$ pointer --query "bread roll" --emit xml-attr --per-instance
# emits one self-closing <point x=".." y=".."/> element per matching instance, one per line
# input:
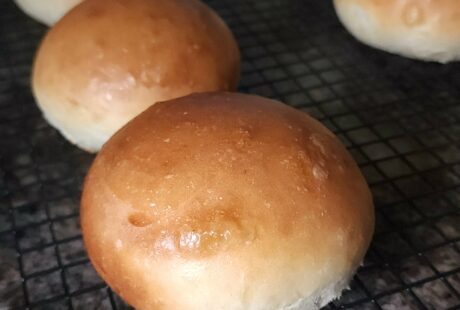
<point x="225" y="201"/>
<point x="108" y="60"/>
<point x="426" y="30"/>
<point x="47" y="12"/>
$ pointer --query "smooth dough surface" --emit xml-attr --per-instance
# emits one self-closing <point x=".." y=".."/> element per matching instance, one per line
<point x="226" y="201"/>
<point x="108" y="60"/>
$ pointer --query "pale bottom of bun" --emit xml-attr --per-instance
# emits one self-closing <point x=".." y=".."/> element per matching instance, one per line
<point x="223" y="290"/>
<point x="85" y="137"/>
<point x="47" y="12"/>
<point x="321" y="297"/>
<point x="90" y="145"/>
<point x="412" y="42"/>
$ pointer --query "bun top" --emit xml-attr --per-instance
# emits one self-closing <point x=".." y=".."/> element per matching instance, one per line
<point x="428" y="29"/>
<point x="225" y="199"/>
<point x="108" y="60"/>
<point x="440" y="16"/>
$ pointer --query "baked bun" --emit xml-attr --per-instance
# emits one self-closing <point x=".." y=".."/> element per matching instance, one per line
<point x="427" y="30"/>
<point x="225" y="201"/>
<point x="47" y="12"/>
<point x="108" y="60"/>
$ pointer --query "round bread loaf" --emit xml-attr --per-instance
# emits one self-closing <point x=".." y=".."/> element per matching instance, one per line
<point x="426" y="30"/>
<point x="225" y="201"/>
<point x="47" y="12"/>
<point x="108" y="60"/>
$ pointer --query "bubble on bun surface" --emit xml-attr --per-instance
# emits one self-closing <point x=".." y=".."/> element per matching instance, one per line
<point x="108" y="60"/>
<point x="426" y="30"/>
<point x="47" y="12"/>
<point x="226" y="201"/>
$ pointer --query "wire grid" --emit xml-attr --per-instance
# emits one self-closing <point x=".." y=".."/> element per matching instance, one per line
<point x="399" y="118"/>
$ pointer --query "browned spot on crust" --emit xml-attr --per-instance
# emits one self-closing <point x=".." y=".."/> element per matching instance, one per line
<point x="140" y="219"/>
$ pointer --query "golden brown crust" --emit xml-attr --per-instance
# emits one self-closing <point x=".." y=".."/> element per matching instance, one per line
<point x="229" y="180"/>
<point x="108" y="60"/>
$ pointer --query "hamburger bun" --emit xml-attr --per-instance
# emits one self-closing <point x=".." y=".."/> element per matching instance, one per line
<point x="427" y="30"/>
<point x="108" y="60"/>
<point x="225" y="201"/>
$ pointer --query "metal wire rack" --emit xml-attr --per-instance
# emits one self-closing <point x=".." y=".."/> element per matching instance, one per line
<point x="399" y="118"/>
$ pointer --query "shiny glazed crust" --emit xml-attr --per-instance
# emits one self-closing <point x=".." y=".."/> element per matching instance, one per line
<point x="108" y="60"/>
<point x="422" y="29"/>
<point x="225" y="201"/>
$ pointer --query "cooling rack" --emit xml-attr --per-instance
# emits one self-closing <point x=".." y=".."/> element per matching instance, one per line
<point x="399" y="118"/>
